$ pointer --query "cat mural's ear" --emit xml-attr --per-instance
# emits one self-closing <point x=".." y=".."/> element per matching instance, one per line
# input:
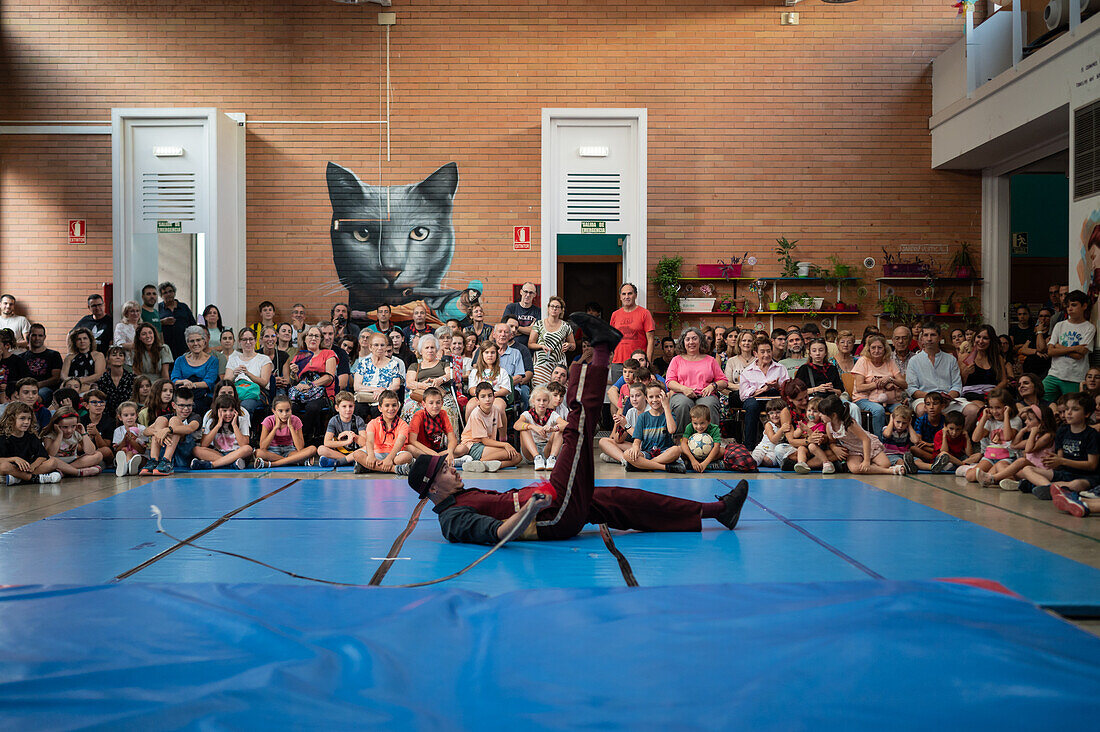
<point x="344" y="188"/>
<point x="440" y="185"/>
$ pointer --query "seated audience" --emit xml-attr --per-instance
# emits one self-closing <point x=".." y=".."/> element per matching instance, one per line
<point x="932" y="370"/>
<point x="251" y="373"/>
<point x="44" y="364"/>
<point x="878" y="386"/>
<point x="281" y="439"/>
<point x="175" y="318"/>
<point x="759" y="381"/>
<point x="18" y="324"/>
<point x="373" y="373"/>
<point x="117" y="382"/>
<point x="313" y="378"/>
<point x="197" y="370"/>
<point x="151" y="357"/>
<point x="98" y="323"/>
<point x="83" y="362"/>
<point x="694" y="378"/>
<point x="267" y="318"/>
<point x="125" y="329"/>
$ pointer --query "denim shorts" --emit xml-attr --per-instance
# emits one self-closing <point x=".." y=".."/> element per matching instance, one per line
<point x="281" y="450"/>
<point x="476" y="450"/>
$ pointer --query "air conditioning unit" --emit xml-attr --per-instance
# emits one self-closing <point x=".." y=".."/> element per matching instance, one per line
<point x="1056" y="13"/>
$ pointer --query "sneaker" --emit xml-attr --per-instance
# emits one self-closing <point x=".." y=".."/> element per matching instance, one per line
<point x="801" y="468"/>
<point x="828" y="468"/>
<point x="1042" y="492"/>
<point x="1025" y="486"/>
<point x="676" y="466"/>
<point x="630" y="468"/>
<point x="261" y="464"/>
<point x="327" y="462"/>
<point x="1091" y="494"/>
<point x="163" y="467"/>
<point x="134" y="464"/>
<point x="197" y="464"/>
<point x="89" y="472"/>
<point x="941" y="464"/>
<point x="898" y="469"/>
<point x="462" y="460"/>
<point x="492" y="465"/>
<point x="734" y="500"/>
<point x="540" y="462"/>
<point x="983" y="478"/>
<point x="607" y="458"/>
<point x="551" y="462"/>
<point x="1068" y="501"/>
<point x="474" y="466"/>
<point x="237" y="464"/>
<point x="54" y="477"/>
<point x="121" y="464"/>
<point x="1009" y="485"/>
<point x="910" y="463"/>
<point x="402" y="469"/>
<point x="11" y="480"/>
<point x="962" y="470"/>
<point x="357" y="468"/>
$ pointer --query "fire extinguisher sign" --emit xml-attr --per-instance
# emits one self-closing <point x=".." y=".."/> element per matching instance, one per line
<point x="78" y="231"/>
<point x="521" y="238"/>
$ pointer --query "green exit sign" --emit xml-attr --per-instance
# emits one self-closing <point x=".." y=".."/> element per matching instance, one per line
<point x="169" y="227"/>
<point x="593" y="227"/>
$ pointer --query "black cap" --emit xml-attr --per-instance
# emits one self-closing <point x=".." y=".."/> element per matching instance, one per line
<point x="423" y="471"/>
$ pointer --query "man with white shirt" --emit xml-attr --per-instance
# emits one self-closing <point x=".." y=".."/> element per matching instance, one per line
<point x="932" y="370"/>
<point x="17" y="323"/>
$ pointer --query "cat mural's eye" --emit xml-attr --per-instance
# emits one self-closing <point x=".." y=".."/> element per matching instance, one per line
<point x="361" y="234"/>
<point x="420" y="233"/>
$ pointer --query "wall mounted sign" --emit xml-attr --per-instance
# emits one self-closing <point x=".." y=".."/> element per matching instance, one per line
<point x="593" y="227"/>
<point x="521" y="238"/>
<point x="78" y="231"/>
<point x="169" y="227"/>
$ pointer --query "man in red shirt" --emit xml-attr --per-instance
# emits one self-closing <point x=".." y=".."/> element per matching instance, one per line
<point x="636" y="325"/>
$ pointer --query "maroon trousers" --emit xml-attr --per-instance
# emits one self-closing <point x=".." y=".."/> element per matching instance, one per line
<point x="579" y="500"/>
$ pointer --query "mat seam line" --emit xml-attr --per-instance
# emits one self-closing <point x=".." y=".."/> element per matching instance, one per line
<point x="624" y="564"/>
<point x="387" y="563"/>
<point x="148" y="562"/>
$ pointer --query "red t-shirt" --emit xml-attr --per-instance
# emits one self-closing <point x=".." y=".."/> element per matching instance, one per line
<point x="634" y="327"/>
<point x="431" y="433"/>
<point x="957" y="446"/>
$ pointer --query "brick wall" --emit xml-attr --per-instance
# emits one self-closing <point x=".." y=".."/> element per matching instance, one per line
<point x="818" y="132"/>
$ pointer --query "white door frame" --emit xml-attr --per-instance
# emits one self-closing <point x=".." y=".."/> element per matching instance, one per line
<point x="635" y="257"/>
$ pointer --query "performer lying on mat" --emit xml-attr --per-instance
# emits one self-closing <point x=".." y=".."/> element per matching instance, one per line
<point x="571" y="499"/>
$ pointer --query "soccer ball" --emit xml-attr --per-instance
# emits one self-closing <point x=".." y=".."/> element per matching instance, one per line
<point x="700" y="445"/>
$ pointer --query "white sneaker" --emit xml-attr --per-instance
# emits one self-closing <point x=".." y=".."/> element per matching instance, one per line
<point x="961" y="471"/>
<point x="607" y="458"/>
<point x="1090" y="494"/>
<point x="1009" y="485"/>
<point x="462" y="460"/>
<point x="540" y="462"/>
<point x="801" y="468"/>
<point x="551" y="462"/>
<point x="898" y="469"/>
<point x="492" y="465"/>
<point x="827" y="468"/>
<point x="121" y="464"/>
<point x="54" y="477"/>
<point x="473" y="466"/>
<point x="983" y="478"/>
<point x="133" y="465"/>
<point x="238" y="464"/>
<point x="11" y="480"/>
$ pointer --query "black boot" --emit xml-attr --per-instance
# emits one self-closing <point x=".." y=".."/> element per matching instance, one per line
<point x="734" y="500"/>
<point x="596" y="330"/>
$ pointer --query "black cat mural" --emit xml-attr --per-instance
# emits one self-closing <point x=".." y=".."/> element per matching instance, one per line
<point x="393" y="244"/>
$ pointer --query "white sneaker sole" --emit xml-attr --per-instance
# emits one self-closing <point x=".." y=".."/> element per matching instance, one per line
<point x="801" y="468"/>
<point x="473" y="466"/>
<point x="121" y="464"/>
<point x="492" y="465"/>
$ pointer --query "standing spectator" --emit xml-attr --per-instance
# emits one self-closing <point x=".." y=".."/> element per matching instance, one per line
<point x="198" y="368"/>
<point x="549" y="339"/>
<point x="125" y="329"/>
<point x="212" y="321"/>
<point x="760" y="380"/>
<point x="878" y="385"/>
<point x="18" y="324"/>
<point x="43" y="364"/>
<point x="384" y="325"/>
<point x="151" y="357"/>
<point x="12" y="367"/>
<point x="267" y="318"/>
<point x="932" y="370"/>
<point x="98" y="323"/>
<point x="149" y="312"/>
<point x="1071" y="341"/>
<point x="779" y="344"/>
<point x="117" y="383"/>
<point x="418" y="327"/>
<point x="251" y="374"/>
<point x="520" y="344"/>
<point x="1036" y="360"/>
<point x="901" y="339"/>
<point x="525" y="311"/>
<point x="1022" y="331"/>
<point x="668" y="352"/>
<point x="340" y="321"/>
<point x="694" y="378"/>
<point x="298" y="322"/>
<point x="637" y="326"/>
<point x="83" y="362"/>
<point x="1057" y="305"/>
<point x="401" y="349"/>
<point x="175" y="319"/>
<point x="511" y="361"/>
<point x="478" y="327"/>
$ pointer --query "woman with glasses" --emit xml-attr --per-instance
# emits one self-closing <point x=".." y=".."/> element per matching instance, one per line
<point x="313" y="379"/>
<point x="197" y="369"/>
<point x="250" y="372"/>
<point x="271" y="346"/>
<point x="550" y="338"/>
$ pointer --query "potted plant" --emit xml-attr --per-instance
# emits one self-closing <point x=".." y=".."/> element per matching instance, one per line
<point x="949" y="305"/>
<point x="666" y="278"/>
<point x="972" y="311"/>
<point x="897" y="308"/>
<point x="785" y="250"/>
<point x="962" y="263"/>
<point x="929" y="302"/>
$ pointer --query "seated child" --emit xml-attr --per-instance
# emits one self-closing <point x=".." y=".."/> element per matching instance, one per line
<point x="952" y="445"/>
<point x="99" y="425"/>
<point x="1035" y="441"/>
<point x="485" y="435"/>
<point x="622" y="431"/>
<point x="224" y="439"/>
<point x="23" y="457"/>
<point x="733" y="456"/>
<point x="926" y="427"/>
<point x="653" y="448"/>
<point x="345" y="433"/>
<point x="557" y="398"/>
<point x="281" y="439"/>
<point x="539" y="429"/>
<point x="898" y="438"/>
<point x="160" y="403"/>
<point x="619" y="394"/>
<point x="863" y="452"/>
<point x="66" y="441"/>
<point x="1073" y="466"/>
<point x="775" y="433"/>
<point x="386" y="435"/>
<point x="128" y="441"/>
<point x="173" y="437"/>
<point x="431" y="432"/>
<point x="26" y="391"/>
<point x="66" y="398"/>
<point x="813" y="424"/>
<point x="994" y="432"/>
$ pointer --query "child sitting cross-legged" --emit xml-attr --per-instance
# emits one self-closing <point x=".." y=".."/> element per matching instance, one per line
<point x="128" y="441"/>
<point x="345" y="433"/>
<point x="23" y="457"/>
<point x="953" y="448"/>
<point x="622" y="431"/>
<point x="814" y="423"/>
<point x="431" y="432"/>
<point x="66" y="441"/>
<point x="384" y="450"/>
<point x="899" y="437"/>
<point x="1035" y="440"/>
<point x="173" y="437"/>
<point x="225" y="437"/>
<point x="485" y="434"/>
<point x="98" y="425"/>
<point x="775" y="433"/>
<point x="1073" y="466"/>
<point x="926" y="426"/>
<point x="863" y="452"/>
<point x="539" y="428"/>
<point x="653" y="448"/>
<point x="994" y="432"/>
<point x="733" y="456"/>
<point x="557" y="398"/>
<point x="281" y="439"/>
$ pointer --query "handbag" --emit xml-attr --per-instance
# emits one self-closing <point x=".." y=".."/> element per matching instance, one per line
<point x="248" y="389"/>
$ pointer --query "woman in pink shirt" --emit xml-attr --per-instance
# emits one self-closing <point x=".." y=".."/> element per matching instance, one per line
<point x="693" y="378"/>
<point x="879" y="386"/>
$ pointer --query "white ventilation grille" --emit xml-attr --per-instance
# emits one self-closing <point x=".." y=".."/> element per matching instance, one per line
<point x="591" y="196"/>
<point x="168" y="196"/>
<point x="1086" y="151"/>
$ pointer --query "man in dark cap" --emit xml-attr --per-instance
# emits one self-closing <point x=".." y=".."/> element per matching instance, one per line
<point x="570" y="499"/>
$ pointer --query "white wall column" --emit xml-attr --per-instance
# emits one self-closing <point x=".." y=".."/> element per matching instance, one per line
<point x="996" y="259"/>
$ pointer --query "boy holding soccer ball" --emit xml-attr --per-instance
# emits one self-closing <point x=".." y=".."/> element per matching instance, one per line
<point x="695" y="445"/>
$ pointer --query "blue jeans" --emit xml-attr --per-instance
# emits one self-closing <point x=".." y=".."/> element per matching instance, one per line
<point x="878" y="414"/>
<point x="754" y="407"/>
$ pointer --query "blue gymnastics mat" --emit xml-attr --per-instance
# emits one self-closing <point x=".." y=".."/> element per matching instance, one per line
<point x="866" y="655"/>
<point x="792" y="530"/>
